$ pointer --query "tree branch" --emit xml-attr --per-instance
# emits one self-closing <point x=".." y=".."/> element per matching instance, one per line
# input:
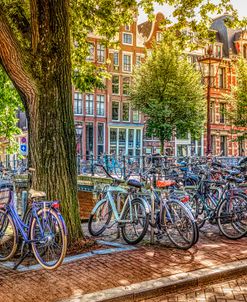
<point x="15" y="60"/>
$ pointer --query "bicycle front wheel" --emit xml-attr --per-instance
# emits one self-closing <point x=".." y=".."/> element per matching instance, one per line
<point x="8" y="236"/>
<point x="100" y="218"/>
<point x="232" y="217"/>
<point x="135" y="221"/>
<point x="49" y="238"/>
<point x="179" y="225"/>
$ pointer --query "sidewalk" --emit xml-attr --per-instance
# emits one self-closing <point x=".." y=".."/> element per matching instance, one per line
<point x="74" y="280"/>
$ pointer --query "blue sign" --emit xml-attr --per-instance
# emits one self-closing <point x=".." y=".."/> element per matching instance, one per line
<point x="23" y="148"/>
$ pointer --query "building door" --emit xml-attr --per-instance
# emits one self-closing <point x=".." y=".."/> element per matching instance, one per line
<point x="89" y="140"/>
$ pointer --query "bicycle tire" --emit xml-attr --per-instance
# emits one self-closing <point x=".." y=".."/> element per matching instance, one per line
<point x="57" y="223"/>
<point x="224" y="218"/>
<point x="198" y="210"/>
<point x="125" y="234"/>
<point x="6" y="222"/>
<point x="178" y="238"/>
<point x="92" y="215"/>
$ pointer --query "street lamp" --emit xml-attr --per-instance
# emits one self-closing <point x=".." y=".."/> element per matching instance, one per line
<point x="210" y="74"/>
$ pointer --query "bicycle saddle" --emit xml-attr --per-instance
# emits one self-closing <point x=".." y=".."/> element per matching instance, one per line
<point x="36" y="194"/>
<point x="134" y="183"/>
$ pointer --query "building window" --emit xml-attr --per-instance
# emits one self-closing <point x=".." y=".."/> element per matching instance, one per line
<point x="77" y="103"/>
<point x="159" y="36"/>
<point x="113" y="140"/>
<point x="221" y="73"/>
<point x="223" y="145"/>
<point x="122" y="141"/>
<point x="127" y="63"/>
<point x="115" y="59"/>
<point x="100" y="142"/>
<point x="100" y="105"/>
<point x="89" y="104"/>
<point x="213" y="144"/>
<point x="222" y="113"/>
<point x="101" y="53"/>
<point x="218" y="51"/>
<point x="115" y="111"/>
<point x="127" y="38"/>
<point x="89" y="140"/>
<point x="90" y="56"/>
<point x="212" y="112"/>
<point x="126" y="85"/>
<point x="126" y="112"/>
<point x="115" y="84"/>
<point x="241" y="147"/>
<point x="135" y="116"/>
<point x="138" y="60"/>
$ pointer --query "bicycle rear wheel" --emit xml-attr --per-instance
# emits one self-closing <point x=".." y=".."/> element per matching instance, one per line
<point x="179" y="225"/>
<point x="8" y="236"/>
<point x="99" y="218"/>
<point x="232" y="217"/>
<point x="136" y="221"/>
<point x="49" y="237"/>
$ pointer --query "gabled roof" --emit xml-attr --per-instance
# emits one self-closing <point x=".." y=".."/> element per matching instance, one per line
<point x="145" y="29"/>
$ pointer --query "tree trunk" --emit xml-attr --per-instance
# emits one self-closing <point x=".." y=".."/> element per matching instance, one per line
<point x="43" y="79"/>
<point x="162" y="146"/>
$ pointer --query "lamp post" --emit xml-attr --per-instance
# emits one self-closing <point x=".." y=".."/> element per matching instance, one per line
<point x="78" y="129"/>
<point x="209" y="60"/>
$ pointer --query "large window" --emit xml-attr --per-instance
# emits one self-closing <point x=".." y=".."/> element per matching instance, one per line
<point x="77" y="103"/>
<point x="126" y="112"/>
<point x="127" y="63"/>
<point x="115" y="111"/>
<point x="90" y="56"/>
<point x="100" y="105"/>
<point x="100" y="142"/>
<point x="221" y="74"/>
<point x="213" y="144"/>
<point x="115" y="59"/>
<point x="113" y="140"/>
<point x="115" y="84"/>
<point x="89" y="140"/>
<point x="126" y="85"/>
<point x="222" y="113"/>
<point x="122" y="141"/>
<point x="89" y="104"/>
<point x="138" y="60"/>
<point x="223" y="145"/>
<point x="127" y="38"/>
<point x="101" y="53"/>
<point x="136" y="117"/>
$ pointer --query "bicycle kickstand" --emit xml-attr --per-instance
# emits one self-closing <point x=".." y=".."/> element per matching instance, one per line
<point x="22" y="258"/>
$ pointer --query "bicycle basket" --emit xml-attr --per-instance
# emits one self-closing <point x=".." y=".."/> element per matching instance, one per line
<point x="5" y="190"/>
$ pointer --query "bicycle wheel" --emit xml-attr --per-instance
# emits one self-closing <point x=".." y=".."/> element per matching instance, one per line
<point x="136" y="221"/>
<point x="49" y="238"/>
<point x="99" y="218"/>
<point x="198" y="210"/>
<point x="179" y="224"/>
<point x="232" y="217"/>
<point x="8" y="236"/>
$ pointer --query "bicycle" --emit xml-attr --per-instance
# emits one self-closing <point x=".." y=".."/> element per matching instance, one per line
<point x="132" y="219"/>
<point x="44" y="233"/>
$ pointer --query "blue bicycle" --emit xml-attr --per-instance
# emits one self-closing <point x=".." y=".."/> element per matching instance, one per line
<point x="44" y="232"/>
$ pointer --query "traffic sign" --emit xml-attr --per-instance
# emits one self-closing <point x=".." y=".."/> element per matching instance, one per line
<point x="23" y="140"/>
<point x="23" y="148"/>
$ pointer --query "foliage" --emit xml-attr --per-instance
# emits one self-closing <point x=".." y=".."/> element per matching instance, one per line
<point x="168" y="90"/>
<point x="9" y="103"/>
<point x="238" y="100"/>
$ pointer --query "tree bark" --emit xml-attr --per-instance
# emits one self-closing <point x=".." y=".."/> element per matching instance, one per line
<point x="42" y="76"/>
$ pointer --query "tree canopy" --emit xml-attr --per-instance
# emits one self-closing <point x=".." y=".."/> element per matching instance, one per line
<point x="168" y="90"/>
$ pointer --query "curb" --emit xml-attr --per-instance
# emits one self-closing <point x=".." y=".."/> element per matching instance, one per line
<point x="160" y="286"/>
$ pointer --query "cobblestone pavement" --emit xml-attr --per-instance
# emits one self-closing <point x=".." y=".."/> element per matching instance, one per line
<point x="230" y="291"/>
<point x="113" y="270"/>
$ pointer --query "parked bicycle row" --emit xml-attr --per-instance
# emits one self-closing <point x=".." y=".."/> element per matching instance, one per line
<point x="176" y="201"/>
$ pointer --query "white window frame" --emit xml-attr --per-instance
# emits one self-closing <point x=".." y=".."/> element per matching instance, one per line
<point x="100" y="95"/>
<point x="115" y="101"/>
<point x="88" y="114"/>
<point x="104" y="137"/>
<point x="119" y="86"/>
<point x="77" y="92"/>
<point x="127" y="33"/>
<point x="128" y="77"/>
<point x="131" y="61"/>
<point x="99" y="45"/>
<point x="127" y="121"/>
<point x="134" y="121"/>
<point x="89" y="58"/>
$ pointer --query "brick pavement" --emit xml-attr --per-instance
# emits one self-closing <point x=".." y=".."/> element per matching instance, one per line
<point x="125" y="268"/>
<point x="230" y="291"/>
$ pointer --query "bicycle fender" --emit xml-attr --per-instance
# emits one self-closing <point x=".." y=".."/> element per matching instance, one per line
<point x="100" y="202"/>
<point x="146" y="205"/>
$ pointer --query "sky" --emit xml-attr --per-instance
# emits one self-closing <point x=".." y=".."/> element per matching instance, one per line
<point x="240" y="5"/>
